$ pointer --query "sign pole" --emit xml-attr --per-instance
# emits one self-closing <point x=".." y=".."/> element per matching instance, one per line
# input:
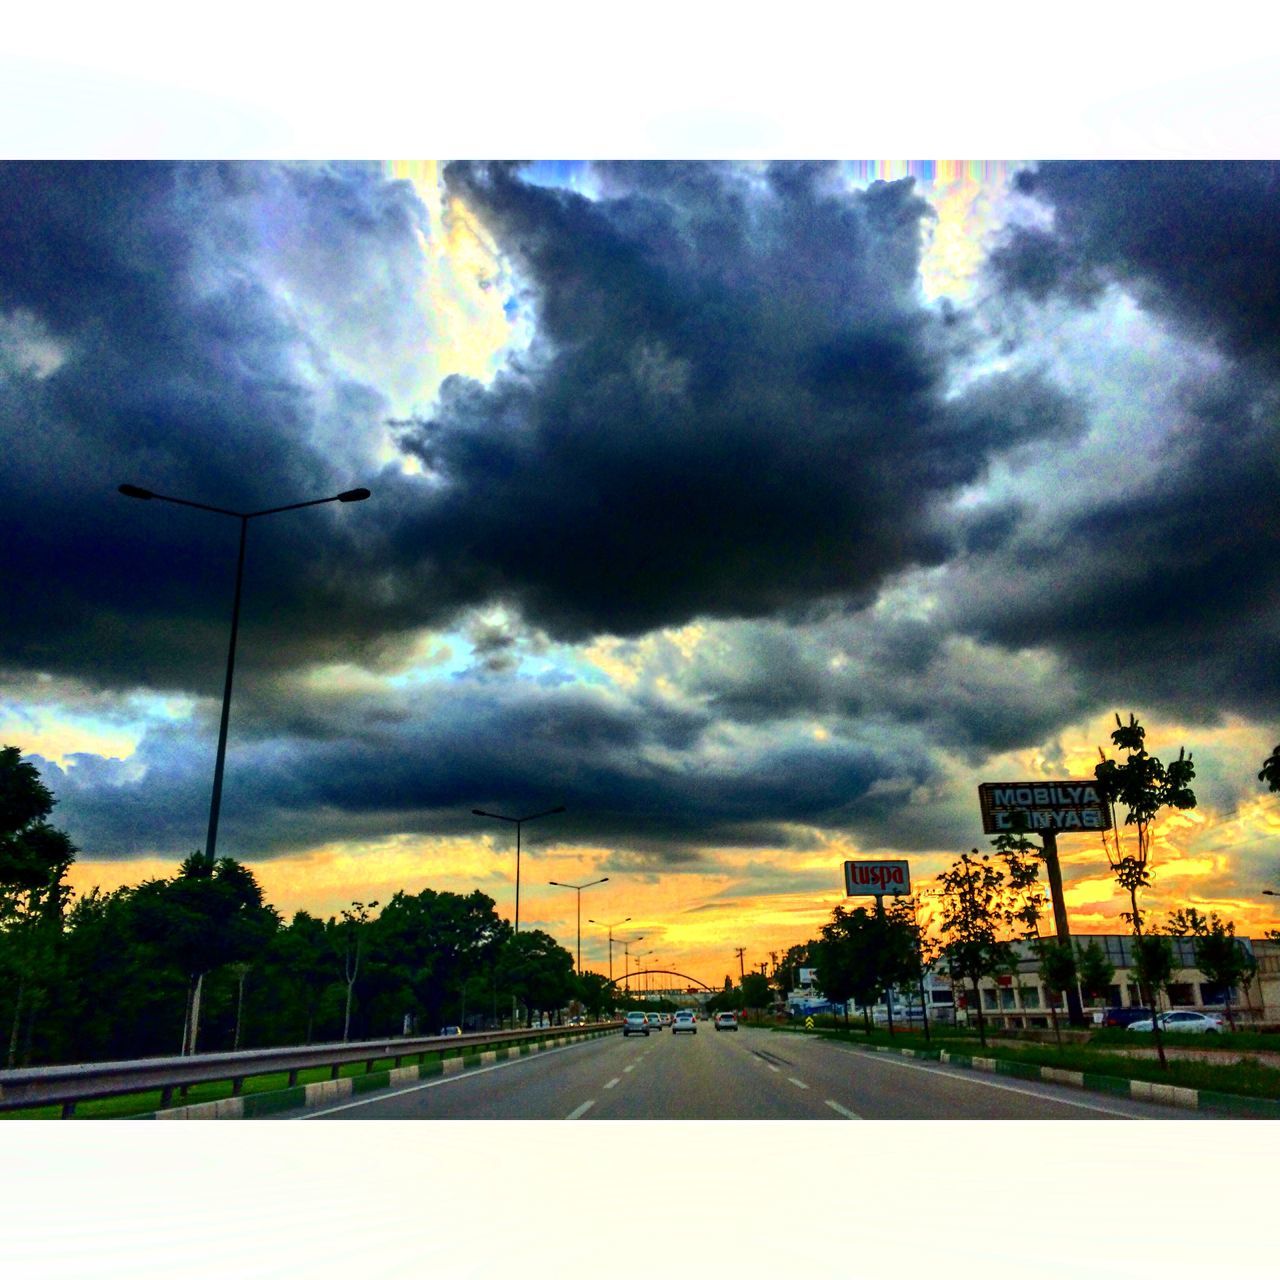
<point x="1075" y="1011"/>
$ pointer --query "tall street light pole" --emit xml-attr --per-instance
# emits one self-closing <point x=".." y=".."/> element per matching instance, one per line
<point x="502" y="817"/>
<point x="579" y="888"/>
<point x="611" y="927"/>
<point x="626" y="960"/>
<point x="146" y="495"/>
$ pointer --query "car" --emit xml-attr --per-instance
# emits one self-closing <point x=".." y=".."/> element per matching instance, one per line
<point x="1123" y="1017"/>
<point x="654" y="1020"/>
<point x="726" y="1022"/>
<point x="1180" y="1021"/>
<point x="684" y="1021"/>
<point x="666" y="1019"/>
<point x="450" y="1031"/>
<point x="636" y="1024"/>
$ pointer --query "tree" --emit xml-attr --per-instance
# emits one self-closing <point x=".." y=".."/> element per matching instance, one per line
<point x="1144" y="786"/>
<point x="921" y="953"/>
<point x="972" y="912"/>
<point x="1220" y="955"/>
<point x="1096" y="972"/>
<point x="1024" y="903"/>
<point x="302" y="956"/>
<point x="210" y="914"/>
<point x="538" y="970"/>
<point x="854" y="959"/>
<point x="756" y="991"/>
<point x="1057" y="971"/>
<point x="34" y="858"/>
<point x="786" y="976"/>
<point x="348" y="942"/>
<point x="1271" y="770"/>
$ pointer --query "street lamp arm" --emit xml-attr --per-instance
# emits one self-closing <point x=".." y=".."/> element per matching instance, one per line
<point x="546" y="813"/>
<point x="134" y="491"/>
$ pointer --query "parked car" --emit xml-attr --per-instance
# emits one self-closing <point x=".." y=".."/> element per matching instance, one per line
<point x="726" y="1022"/>
<point x="684" y="1021"/>
<point x="1180" y="1021"/>
<point x="636" y="1024"/>
<point x="1123" y="1017"/>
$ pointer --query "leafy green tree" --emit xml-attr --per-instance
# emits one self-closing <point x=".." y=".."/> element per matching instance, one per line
<point x="210" y="914"/>
<point x="973" y="906"/>
<point x="300" y="960"/>
<point x="431" y="946"/>
<point x="1057" y="970"/>
<point x="596" y="994"/>
<point x="757" y="994"/>
<point x="537" y="970"/>
<point x="348" y="939"/>
<point x="920" y="954"/>
<point x="1144" y="786"/>
<point x="1096" y="972"/>
<point x="786" y="977"/>
<point x="1220" y="955"/>
<point x="852" y="960"/>
<point x="34" y="858"/>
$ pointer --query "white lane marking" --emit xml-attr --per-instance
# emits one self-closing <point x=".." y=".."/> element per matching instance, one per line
<point x="773" y="1068"/>
<point x="578" y="1112"/>
<point x="799" y="1084"/>
<point x="844" y="1111"/>
<point x="615" y="1080"/>
<point x="992" y="1084"/>
<point x="632" y="1067"/>
<point x="378" y="1096"/>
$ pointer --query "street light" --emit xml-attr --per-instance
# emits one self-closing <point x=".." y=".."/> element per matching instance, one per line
<point x="146" y="495"/>
<point x="626" y="954"/>
<point x="611" y="927"/>
<point x="502" y="817"/>
<point x="579" y="888"/>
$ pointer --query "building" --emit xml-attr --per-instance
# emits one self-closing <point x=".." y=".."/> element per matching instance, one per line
<point x="1019" y="1000"/>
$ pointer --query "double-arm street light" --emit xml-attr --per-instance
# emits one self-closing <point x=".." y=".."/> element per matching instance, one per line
<point x="626" y="960"/>
<point x="603" y="924"/>
<point x="502" y="817"/>
<point x="579" y="888"/>
<point x="146" y="495"/>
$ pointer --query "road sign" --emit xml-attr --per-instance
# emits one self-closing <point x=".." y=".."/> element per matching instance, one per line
<point x="808" y="1024"/>
<point x="1045" y="806"/>
<point x="876" y="878"/>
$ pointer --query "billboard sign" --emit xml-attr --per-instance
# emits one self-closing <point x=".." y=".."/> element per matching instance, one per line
<point x="876" y="878"/>
<point x="1045" y="806"/>
<point x="806" y="977"/>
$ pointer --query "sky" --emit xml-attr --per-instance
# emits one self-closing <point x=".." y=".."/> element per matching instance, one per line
<point x="755" y="512"/>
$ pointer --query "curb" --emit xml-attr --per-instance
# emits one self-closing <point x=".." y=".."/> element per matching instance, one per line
<point x="447" y="1062"/>
<point x="1169" y="1095"/>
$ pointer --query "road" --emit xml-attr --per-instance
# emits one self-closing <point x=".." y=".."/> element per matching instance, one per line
<point x="748" y="1074"/>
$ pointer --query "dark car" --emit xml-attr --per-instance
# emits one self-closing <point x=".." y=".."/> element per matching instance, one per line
<point x="1122" y="1017"/>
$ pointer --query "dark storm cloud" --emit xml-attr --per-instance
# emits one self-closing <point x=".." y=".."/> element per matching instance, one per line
<point x="1165" y="591"/>
<point x="1198" y="241"/>
<point x="179" y="365"/>
<point x="734" y="405"/>
<point x="639" y="775"/>
<point x="1162" y="589"/>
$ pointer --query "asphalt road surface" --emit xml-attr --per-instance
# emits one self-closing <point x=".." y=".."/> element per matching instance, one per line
<point x="748" y="1074"/>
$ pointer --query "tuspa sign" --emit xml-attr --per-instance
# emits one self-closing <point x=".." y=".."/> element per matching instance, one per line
<point x="1043" y="806"/>
<point x="878" y="878"/>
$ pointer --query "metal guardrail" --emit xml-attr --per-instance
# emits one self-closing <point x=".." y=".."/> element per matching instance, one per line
<point x="65" y="1086"/>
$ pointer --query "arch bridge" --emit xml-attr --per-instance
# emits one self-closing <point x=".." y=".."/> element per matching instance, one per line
<point x="673" y="973"/>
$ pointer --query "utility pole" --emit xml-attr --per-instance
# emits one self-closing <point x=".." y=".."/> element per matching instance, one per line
<point x="739" y="952"/>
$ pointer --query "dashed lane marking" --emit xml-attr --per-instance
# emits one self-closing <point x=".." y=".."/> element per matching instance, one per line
<point x="632" y="1067"/>
<point x="578" y="1112"/>
<point x="773" y="1068"/>
<point x="615" y="1080"/>
<point x="799" y="1084"/>
<point x="844" y="1111"/>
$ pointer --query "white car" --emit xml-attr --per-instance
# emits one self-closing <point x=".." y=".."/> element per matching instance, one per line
<point x="726" y="1022"/>
<point x="636" y="1024"/>
<point x="1180" y="1021"/>
<point x="684" y="1022"/>
<point x="654" y="1020"/>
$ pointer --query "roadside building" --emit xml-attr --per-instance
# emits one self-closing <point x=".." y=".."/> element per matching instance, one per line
<point x="1019" y="999"/>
